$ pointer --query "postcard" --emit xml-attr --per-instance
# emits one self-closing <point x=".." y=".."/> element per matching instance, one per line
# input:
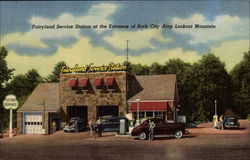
<point x="126" y="79"/>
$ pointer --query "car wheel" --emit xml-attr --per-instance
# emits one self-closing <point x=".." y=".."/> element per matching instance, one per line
<point x="178" y="134"/>
<point x="142" y="136"/>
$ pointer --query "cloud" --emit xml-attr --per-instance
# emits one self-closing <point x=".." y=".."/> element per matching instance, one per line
<point x="226" y="27"/>
<point x="231" y="52"/>
<point x="36" y="38"/>
<point x="83" y="52"/>
<point x="139" y="39"/>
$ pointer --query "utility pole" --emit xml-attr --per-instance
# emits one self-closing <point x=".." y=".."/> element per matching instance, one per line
<point x="127" y="51"/>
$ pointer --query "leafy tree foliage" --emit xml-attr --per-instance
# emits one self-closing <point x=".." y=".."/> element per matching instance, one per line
<point x="183" y="73"/>
<point x="5" y="72"/>
<point x="211" y="82"/>
<point x="139" y="69"/>
<point x="5" y="75"/>
<point x="55" y="75"/>
<point x="21" y="86"/>
<point x="155" y="68"/>
<point x="241" y="86"/>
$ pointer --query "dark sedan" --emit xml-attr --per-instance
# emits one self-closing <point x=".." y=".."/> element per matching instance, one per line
<point x="231" y="122"/>
<point x="161" y="128"/>
<point x="112" y="124"/>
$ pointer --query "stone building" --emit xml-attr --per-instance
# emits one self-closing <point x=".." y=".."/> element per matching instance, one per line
<point x="98" y="94"/>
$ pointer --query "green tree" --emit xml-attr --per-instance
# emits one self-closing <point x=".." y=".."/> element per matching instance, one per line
<point x="5" y="75"/>
<point x="55" y="75"/>
<point x="183" y="73"/>
<point x="155" y="68"/>
<point x="241" y="86"/>
<point x="139" y="69"/>
<point x="22" y="85"/>
<point x="211" y="82"/>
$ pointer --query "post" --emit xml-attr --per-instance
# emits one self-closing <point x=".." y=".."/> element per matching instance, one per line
<point x="44" y="114"/>
<point x="138" y="110"/>
<point x="215" y="118"/>
<point x="215" y="107"/>
<point x="10" y="127"/>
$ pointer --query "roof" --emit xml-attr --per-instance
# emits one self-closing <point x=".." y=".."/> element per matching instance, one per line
<point x="155" y="87"/>
<point x="44" y="92"/>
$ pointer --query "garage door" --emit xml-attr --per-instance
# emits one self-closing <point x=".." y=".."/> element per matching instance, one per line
<point x="33" y="123"/>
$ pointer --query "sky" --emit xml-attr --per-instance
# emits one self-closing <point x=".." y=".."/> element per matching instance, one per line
<point x="32" y="47"/>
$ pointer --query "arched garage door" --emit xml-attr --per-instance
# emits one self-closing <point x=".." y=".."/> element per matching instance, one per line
<point x="33" y="123"/>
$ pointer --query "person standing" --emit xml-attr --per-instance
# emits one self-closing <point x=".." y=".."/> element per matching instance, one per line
<point x="91" y="131"/>
<point x="151" y="130"/>
<point x="221" y="122"/>
<point x="53" y="127"/>
<point x="99" y="127"/>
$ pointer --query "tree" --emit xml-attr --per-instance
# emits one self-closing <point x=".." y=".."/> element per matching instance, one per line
<point x="211" y="82"/>
<point x="183" y="73"/>
<point x="155" y="68"/>
<point x="5" y="75"/>
<point x="139" y="69"/>
<point x="241" y="86"/>
<point x="22" y="85"/>
<point x="55" y="75"/>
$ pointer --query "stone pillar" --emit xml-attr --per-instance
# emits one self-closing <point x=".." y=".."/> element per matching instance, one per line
<point x="19" y="123"/>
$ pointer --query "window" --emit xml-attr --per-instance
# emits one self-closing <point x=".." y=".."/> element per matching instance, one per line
<point x="149" y="114"/>
<point x="110" y="82"/>
<point x="73" y="83"/>
<point x="98" y="83"/>
<point x="111" y="87"/>
<point x="158" y="113"/>
<point x="84" y="83"/>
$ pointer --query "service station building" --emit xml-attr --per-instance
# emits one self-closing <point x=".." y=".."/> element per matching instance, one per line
<point x="97" y="94"/>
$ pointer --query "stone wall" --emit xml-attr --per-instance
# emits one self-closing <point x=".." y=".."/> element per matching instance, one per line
<point x="19" y="122"/>
<point x="93" y="98"/>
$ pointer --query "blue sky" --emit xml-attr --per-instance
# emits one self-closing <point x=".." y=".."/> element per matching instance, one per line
<point x="42" y="49"/>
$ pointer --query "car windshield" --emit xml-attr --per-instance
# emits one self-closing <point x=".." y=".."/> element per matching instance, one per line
<point x="144" y="123"/>
<point x="232" y="120"/>
<point x="72" y="123"/>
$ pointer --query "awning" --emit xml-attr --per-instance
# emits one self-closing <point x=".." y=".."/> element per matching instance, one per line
<point x="149" y="106"/>
<point x="73" y="82"/>
<point x="110" y="81"/>
<point x="98" y="82"/>
<point x="83" y="82"/>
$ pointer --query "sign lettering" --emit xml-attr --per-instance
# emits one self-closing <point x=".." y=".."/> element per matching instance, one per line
<point x="90" y="68"/>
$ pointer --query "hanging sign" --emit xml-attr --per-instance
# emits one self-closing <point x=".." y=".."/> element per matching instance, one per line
<point x="10" y="102"/>
<point x="90" y="68"/>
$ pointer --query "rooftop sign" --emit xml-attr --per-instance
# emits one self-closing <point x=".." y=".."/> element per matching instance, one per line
<point x="90" y="68"/>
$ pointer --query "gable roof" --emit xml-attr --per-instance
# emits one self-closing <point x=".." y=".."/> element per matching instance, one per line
<point x="156" y="87"/>
<point x="44" y="92"/>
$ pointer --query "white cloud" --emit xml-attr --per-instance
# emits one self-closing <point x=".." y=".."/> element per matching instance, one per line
<point x="231" y="52"/>
<point x="33" y="38"/>
<point x="139" y="39"/>
<point x="226" y="27"/>
<point x="83" y="52"/>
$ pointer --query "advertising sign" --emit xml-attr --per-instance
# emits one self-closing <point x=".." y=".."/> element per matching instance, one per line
<point x="10" y="102"/>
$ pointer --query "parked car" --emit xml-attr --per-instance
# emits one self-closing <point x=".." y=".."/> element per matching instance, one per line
<point x="191" y="125"/>
<point x="75" y="125"/>
<point x="111" y="124"/>
<point x="231" y="122"/>
<point x="161" y="128"/>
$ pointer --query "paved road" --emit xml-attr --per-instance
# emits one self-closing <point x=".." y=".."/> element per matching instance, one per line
<point x="227" y="145"/>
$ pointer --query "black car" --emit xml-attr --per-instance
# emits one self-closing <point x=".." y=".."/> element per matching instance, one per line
<point x="111" y="124"/>
<point x="231" y="122"/>
<point x="75" y="125"/>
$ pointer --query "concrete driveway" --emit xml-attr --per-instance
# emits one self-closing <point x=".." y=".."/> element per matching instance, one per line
<point x="202" y="143"/>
